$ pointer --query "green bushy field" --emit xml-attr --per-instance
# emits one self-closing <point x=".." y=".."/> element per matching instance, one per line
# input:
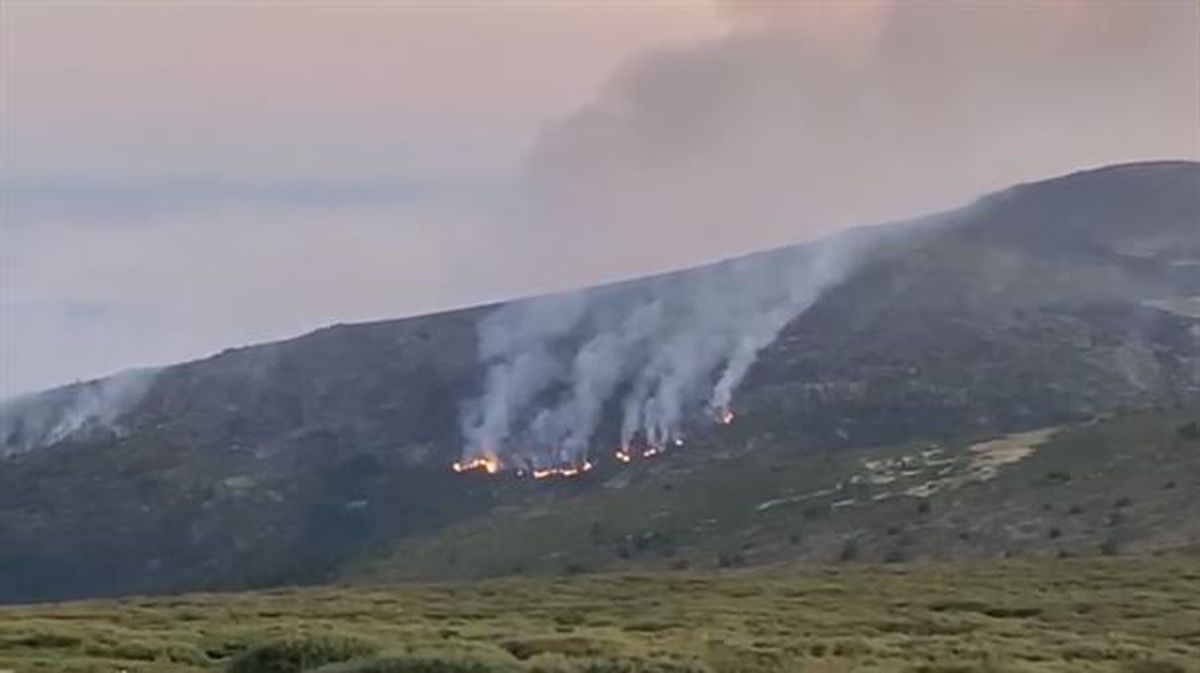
<point x="1124" y="614"/>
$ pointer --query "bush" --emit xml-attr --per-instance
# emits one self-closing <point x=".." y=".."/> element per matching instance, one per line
<point x="48" y="640"/>
<point x="571" y="646"/>
<point x="541" y="663"/>
<point x="957" y="668"/>
<point x="730" y="559"/>
<point x="632" y="666"/>
<point x="850" y="551"/>
<point x="1152" y="666"/>
<point x="550" y="663"/>
<point x="1188" y="431"/>
<point x="292" y="655"/>
<point x="424" y="663"/>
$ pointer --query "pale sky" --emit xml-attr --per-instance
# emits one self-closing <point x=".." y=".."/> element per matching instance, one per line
<point x="164" y="163"/>
<point x="303" y="89"/>
<point x="180" y="177"/>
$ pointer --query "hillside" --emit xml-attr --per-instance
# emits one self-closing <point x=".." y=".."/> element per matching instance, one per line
<point x="1047" y="305"/>
<point x="1121" y="485"/>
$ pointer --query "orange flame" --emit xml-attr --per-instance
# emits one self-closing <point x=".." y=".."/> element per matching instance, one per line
<point x="725" y="416"/>
<point x="488" y="464"/>
<point x="623" y="455"/>
<point x="562" y="470"/>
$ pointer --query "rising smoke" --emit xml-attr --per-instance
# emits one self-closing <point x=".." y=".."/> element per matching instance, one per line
<point x="43" y="419"/>
<point x="662" y="353"/>
<point x="807" y="118"/>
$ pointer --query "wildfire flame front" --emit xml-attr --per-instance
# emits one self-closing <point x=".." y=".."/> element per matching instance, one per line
<point x="562" y="471"/>
<point x="487" y="464"/>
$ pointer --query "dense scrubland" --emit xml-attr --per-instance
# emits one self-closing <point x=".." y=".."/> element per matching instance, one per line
<point x="1128" y="615"/>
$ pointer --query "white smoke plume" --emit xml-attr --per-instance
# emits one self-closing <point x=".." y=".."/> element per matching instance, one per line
<point x="42" y="419"/>
<point x="663" y="352"/>
<point x="808" y="117"/>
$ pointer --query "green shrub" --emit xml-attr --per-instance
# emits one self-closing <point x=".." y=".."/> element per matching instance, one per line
<point x="638" y="666"/>
<point x="1188" y="431"/>
<point x="984" y="667"/>
<point x="1009" y="612"/>
<point x="1152" y="666"/>
<point x="569" y="646"/>
<point x="425" y="663"/>
<point x="550" y="663"/>
<point x="47" y="639"/>
<point x="291" y="655"/>
<point x="729" y="658"/>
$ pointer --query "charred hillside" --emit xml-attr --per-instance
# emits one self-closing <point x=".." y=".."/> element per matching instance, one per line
<point x="1048" y="303"/>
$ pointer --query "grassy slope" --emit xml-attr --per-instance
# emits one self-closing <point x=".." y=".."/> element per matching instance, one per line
<point x="1121" y="485"/>
<point x="1098" y="614"/>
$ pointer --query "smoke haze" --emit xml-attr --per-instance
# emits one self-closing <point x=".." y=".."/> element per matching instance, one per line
<point x="754" y="124"/>
<point x="807" y="118"/>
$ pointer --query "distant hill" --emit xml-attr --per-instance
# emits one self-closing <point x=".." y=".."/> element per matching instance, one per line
<point x="1048" y="304"/>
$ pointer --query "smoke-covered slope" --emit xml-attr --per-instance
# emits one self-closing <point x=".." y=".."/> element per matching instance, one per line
<point x="1048" y="303"/>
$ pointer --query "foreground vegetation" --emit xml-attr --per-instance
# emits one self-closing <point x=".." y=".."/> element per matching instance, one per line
<point x="1126" y="614"/>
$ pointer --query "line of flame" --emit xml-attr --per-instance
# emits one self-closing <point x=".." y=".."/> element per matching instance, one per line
<point x="562" y="471"/>
<point x="492" y="465"/>
<point x="488" y="464"/>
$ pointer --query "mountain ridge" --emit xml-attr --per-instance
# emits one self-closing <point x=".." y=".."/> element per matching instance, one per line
<point x="279" y="462"/>
<point x="472" y="307"/>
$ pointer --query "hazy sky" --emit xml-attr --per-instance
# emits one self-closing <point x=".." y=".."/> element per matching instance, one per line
<point x="178" y="177"/>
